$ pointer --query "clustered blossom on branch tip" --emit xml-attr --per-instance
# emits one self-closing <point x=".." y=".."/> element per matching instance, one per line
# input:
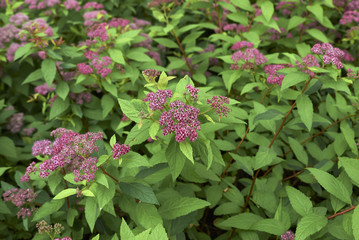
<point x="330" y="54"/>
<point x="273" y="76"/>
<point x="158" y="99"/>
<point x="289" y="235"/>
<point x="192" y="91"/>
<point x="246" y="55"/>
<point x="217" y="103"/>
<point x="151" y="74"/>
<point x="119" y="150"/>
<point x="308" y="61"/>
<point x="19" y="198"/>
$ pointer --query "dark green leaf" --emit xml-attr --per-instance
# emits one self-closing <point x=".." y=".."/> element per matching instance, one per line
<point x="48" y="69"/>
<point x="139" y="191"/>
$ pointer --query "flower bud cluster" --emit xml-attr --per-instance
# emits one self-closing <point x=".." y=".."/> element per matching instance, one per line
<point x="246" y="55"/>
<point x="15" y="122"/>
<point x="19" y="198"/>
<point x="102" y="66"/>
<point x="308" y="61"/>
<point x="18" y="19"/>
<point x="352" y="74"/>
<point x="51" y="230"/>
<point x="72" y="4"/>
<point x="35" y="4"/>
<point x="119" y="149"/>
<point x="274" y="77"/>
<point x="217" y="103"/>
<point x="80" y="98"/>
<point x="93" y="5"/>
<point x="286" y="7"/>
<point x="289" y="235"/>
<point x="151" y="74"/>
<point x="44" y="89"/>
<point x="192" y="91"/>
<point x="182" y="119"/>
<point x="70" y="150"/>
<point x="330" y="54"/>
<point x="158" y="99"/>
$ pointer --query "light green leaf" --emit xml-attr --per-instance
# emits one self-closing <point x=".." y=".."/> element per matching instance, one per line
<point x="317" y="11"/>
<point x="310" y="224"/>
<point x="113" y="140"/>
<point x="3" y="169"/>
<point x="293" y="79"/>
<point x="21" y="51"/>
<point x="355" y="223"/>
<point x="47" y="209"/>
<point x="305" y="110"/>
<point x="270" y="114"/>
<point x="175" y="207"/>
<point x="58" y="107"/>
<point x="97" y="237"/>
<point x="155" y="126"/>
<point x="166" y="42"/>
<point x="331" y="184"/>
<point x="298" y="150"/>
<point x="158" y="233"/>
<point x="125" y="231"/>
<point x="264" y="157"/>
<point x="272" y="226"/>
<point x="147" y="215"/>
<point x="35" y="75"/>
<point x="351" y="167"/>
<point x="300" y="203"/>
<point x="267" y="10"/>
<point x="91" y="212"/>
<point x="317" y="34"/>
<point x="117" y="56"/>
<point x="187" y="150"/>
<point x="48" y="69"/>
<point x="107" y="103"/>
<point x="62" y="89"/>
<point x="87" y="193"/>
<point x="241" y="221"/>
<point x="65" y="193"/>
<point x="128" y="109"/>
<point x="7" y="147"/>
<point x="243" y="4"/>
<point x="175" y="158"/>
<point x="294" y="22"/>
<point x="349" y="136"/>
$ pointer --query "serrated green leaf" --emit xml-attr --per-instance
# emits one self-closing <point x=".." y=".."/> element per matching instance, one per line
<point x="3" y="169"/>
<point x="48" y="69"/>
<point x="175" y="158"/>
<point x="62" y="89"/>
<point x="241" y="221"/>
<point x="65" y="193"/>
<point x="264" y="157"/>
<point x="317" y="34"/>
<point x="125" y="231"/>
<point x="166" y="42"/>
<point x="271" y="226"/>
<point x="305" y="110"/>
<point x="87" y="193"/>
<point x="268" y="115"/>
<point x="139" y="191"/>
<point x="243" y="4"/>
<point x="351" y="167"/>
<point x="155" y="126"/>
<point x="147" y="215"/>
<point x="91" y="212"/>
<point x="267" y="10"/>
<point x="310" y="224"/>
<point x="128" y="109"/>
<point x="293" y="79"/>
<point x="317" y="11"/>
<point x="117" y="56"/>
<point x="298" y="150"/>
<point x="331" y="184"/>
<point x="47" y="209"/>
<point x="187" y="150"/>
<point x="349" y="136"/>
<point x="294" y="22"/>
<point x="35" y="75"/>
<point x="21" y="51"/>
<point x="158" y="233"/>
<point x="176" y="207"/>
<point x="58" y="107"/>
<point x="300" y="203"/>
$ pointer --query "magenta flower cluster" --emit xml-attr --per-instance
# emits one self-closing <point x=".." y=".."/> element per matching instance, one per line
<point x="15" y="122"/>
<point x="273" y="76"/>
<point x="119" y="150"/>
<point x="20" y="197"/>
<point x="192" y="91"/>
<point x="35" y="4"/>
<point x="70" y="150"/>
<point x="102" y="66"/>
<point x="308" y="61"/>
<point x="330" y="54"/>
<point x="80" y="98"/>
<point x="182" y="119"/>
<point x="217" y="104"/>
<point x="158" y="99"/>
<point x="151" y="74"/>
<point x="44" y="89"/>
<point x="289" y="235"/>
<point x="18" y="19"/>
<point x="246" y="55"/>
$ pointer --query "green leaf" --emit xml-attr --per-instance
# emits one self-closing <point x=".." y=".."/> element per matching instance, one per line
<point x="241" y="221"/>
<point x="187" y="150"/>
<point x="155" y="126"/>
<point x="349" y="136"/>
<point x="305" y="110"/>
<point x="147" y="215"/>
<point x="317" y="11"/>
<point x="300" y="203"/>
<point x="47" y="209"/>
<point x="294" y="22"/>
<point x="117" y="56"/>
<point x="317" y="34"/>
<point x="175" y="158"/>
<point x="58" y="107"/>
<point x="107" y="103"/>
<point x="97" y="237"/>
<point x="35" y="75"/>
<point x="264" y="157"/>
<point x="299" y="151"/>
<point x="65" y="193"/>
<point x="331" y="184"/>
<point x="158" y="233"/>
<point x="113" y="140"/>
<point x="62" y="89"/>
<point x="48" y="69"/>
<point x="176" y="207"/>
<point x="3" y="169"/>
<point x="192" y="37"/>
<point x="21" y="51"/>
<point x="7" y="147"/>
<point x="87" y="193"/>
<point x="166" y="42"/>
<point x="125" y="231"/>
<point x="293" y="79"/>
<point x="272" y="226"/>
<point x="91" y="212"/>
<point x="268" y="115"/>
<point x="70" y="216"/>
<point x="267" y="10"/>
<point x="139" y="191"/>
<point x="243" y="4"/>
<point x="351" y="167"/>
<point x="138" y="135"/>
<point x="128" y="108"/>
<point x="104" y="195"/>
<point x="309" y="225"/>
<point x="355" y="223"/>
<point x="249" y="87"/>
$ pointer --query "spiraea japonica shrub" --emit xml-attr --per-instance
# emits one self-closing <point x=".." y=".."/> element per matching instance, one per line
<point x="185" y="119"/>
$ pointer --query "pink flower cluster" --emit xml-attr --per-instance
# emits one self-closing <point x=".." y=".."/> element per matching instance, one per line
<point x="308" y="61"/>
<point x="330" y="54"/>
<point x="35" y="4"/>
<point x="151" y="74"/>
<point x="182" y="120"/>
<point x="352" y="74"/>
<point x="289" y="235"/>
<point x="192" y="91"/>
<point x="217" y="103"/>
<point x="246" y="55"/>
<point x="156" y="3"/>
<point x="349" y="17"/>
<point x="19" y="198"/>
<point x="158" y="99"/>
<point x="90" y="17"/>
<point x="8" y="33"/>
<point x="94" y="5"/>
<point x="80" y="98"/>
<point x="286" y="7"/>
<point x="102" y="66"/>
<point x="72" y="4"/>
<point x="70" y="150"/>
<point x="18" y="19"/>
<point x="44" y="89"/>
<point x="124" y="118"/>
<point x="119" y="150"/>
<point x="274" y="77"/>
<point x="15" y="122"/>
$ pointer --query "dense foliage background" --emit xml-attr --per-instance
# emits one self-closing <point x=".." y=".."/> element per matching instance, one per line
<point x="185" y="119"/>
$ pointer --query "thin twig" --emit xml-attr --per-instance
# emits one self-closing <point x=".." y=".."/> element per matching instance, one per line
<point x="104" y="171"/>
<point x="342" y="212"/>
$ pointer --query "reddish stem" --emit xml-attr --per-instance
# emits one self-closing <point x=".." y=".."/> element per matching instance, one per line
<point x="342" y="212"/>
<point x="104" y="171"/>
<point x="183" y="52"/>
<point x="218" y="17"/>
<point x="250" y="191"/>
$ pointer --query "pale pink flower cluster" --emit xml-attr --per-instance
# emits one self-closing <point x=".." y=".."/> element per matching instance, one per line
<point x="330" y="54"/>
<point x="217" y="103"/>
<point x="308" y="61"/>
<point x="119" y="150"/>
<point x="248" y="55"/>
<point x="19" y="198"/>
<point x="15" y="122"/>
<point x="44" y="89"/>
<point x="158" y="99"/>
<point x="273" y="76"/>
